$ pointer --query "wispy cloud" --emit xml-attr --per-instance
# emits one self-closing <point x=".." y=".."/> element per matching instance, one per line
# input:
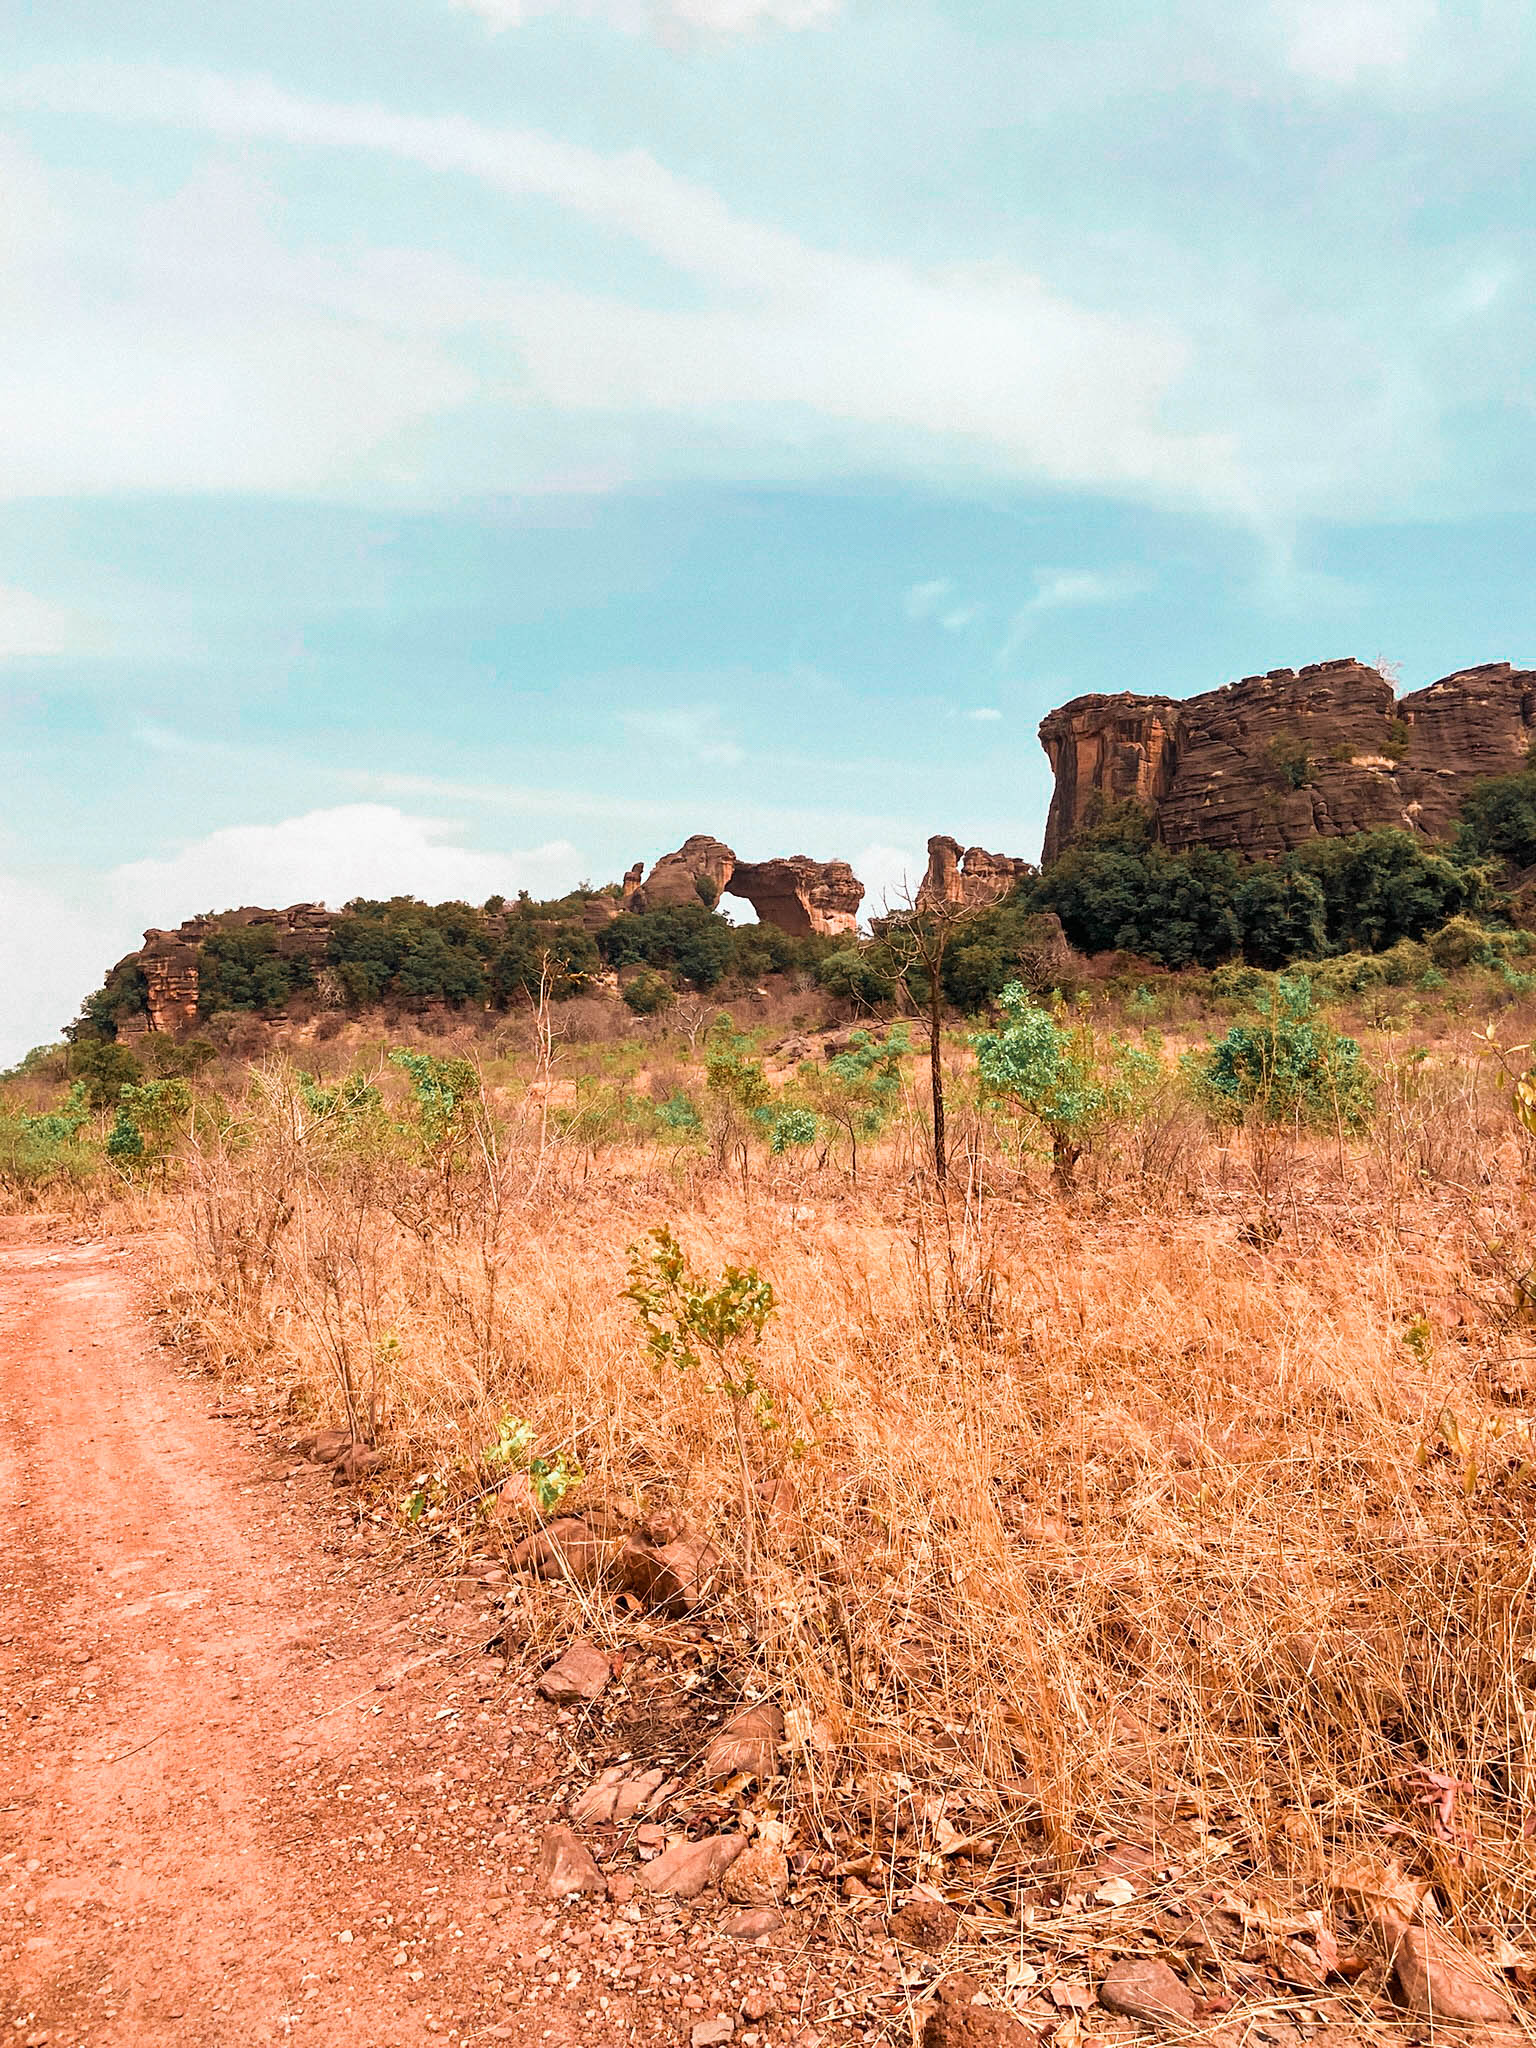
<point x="982" y="370"/>
<point x="665" y="18"/>
<point x="693" y="734"/>
<point x="984" y="714"/>
<point x="938" y="601"/>
<point x="1068" y="589"/>
<point x="32" y="627"/>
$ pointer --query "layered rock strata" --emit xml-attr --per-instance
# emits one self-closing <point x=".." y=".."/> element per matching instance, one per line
<point x="1263" y="764"/>
<point x="168" y="959"/>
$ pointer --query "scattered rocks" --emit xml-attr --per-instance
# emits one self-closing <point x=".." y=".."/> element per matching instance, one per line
<point x="667" y="1566"/>
<point x="754" y="1923"/>
<point x="617" y="1796"/>
<point x="1433" y="1976"/>
<point x="927" y="1924"/>
<point x="759" y="1876"/>
<point x="712" y="2033"/>
<point x="325" y="1446"/>
<point x="749" y="1741"/>
<point x="688" y="1868"/>
<point x="566" y="1866"/>
<point x="957" y="2023"/>
<point x="583" y="1673"/>
<point x="1146" y="1990"/>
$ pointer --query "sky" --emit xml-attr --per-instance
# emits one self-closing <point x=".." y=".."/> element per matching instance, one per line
<point x="451" y="446"/>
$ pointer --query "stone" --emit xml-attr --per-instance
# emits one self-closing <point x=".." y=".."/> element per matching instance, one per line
<point x="618" y="1796"/>
<point x="748" y="1742"/>
<point x="800" y="895"/>
<point x="566" y="1866"/>
<point x="712" y="2033"/>
<point x="356" y="1462"/>
<point x="168" y="960"/>
<point x="1146" y="1990"/>
<point x="759" y="1876"/>
<point x="757" y="1923"/>
<point x="326" y="1445"/>
<point x="927" y="1924"/>
<point x="968" y="878"/>
<point x="667" y="1567"/>
<point x="566" y="1549"/>
<point x="583" y="1673"/>
<point x="956" y="2023"/>
<point x="688" y="1868"/>
<point x="1269" y="762"/>
<point x="1434" y="1977"/>
<point x="698" y="872"/>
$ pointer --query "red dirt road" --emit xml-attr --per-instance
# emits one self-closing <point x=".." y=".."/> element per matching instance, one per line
<point x="217" y="1827"/>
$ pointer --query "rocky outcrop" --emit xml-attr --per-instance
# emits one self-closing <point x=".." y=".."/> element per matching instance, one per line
<point x="168" y="959"/>
<point x="796" y="893"/>
<point x="968" y="878"/>
<point x="1266" y="763"/>
<point x="697" y="873"/>
<point x="801" y="895"/>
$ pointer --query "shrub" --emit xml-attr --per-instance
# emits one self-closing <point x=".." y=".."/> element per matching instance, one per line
<point x="649" y="993"/>
<point x="855" y="977"/>
<point x="1498" y="820"/>
<point x="1059" y="1075"/>
<point x="104" y="1069"/>
<point x="242" y="969"/>
<point x="682" y="937"/>
<point x="1288" y="1064"/>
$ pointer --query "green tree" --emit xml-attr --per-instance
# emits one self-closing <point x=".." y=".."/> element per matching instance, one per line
<point x="1060" y="1076"/>
<point x="1289" y="1064"/>
<point x="858" y="1091"/>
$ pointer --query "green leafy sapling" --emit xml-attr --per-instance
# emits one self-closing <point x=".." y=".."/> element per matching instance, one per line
<point x="1060" y="1075"/>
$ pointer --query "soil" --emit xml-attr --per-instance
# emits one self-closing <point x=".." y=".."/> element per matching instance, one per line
<point x="256" y="1786"/>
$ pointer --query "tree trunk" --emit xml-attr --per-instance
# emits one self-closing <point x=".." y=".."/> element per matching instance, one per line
<point x="1065" y="1153"/>
<point x="936" y="1074"/>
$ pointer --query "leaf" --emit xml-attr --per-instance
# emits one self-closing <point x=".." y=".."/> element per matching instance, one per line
<point x="1116" y="1891"/>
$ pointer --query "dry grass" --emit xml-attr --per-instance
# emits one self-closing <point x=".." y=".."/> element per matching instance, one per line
<point x="1188" y="1514"/>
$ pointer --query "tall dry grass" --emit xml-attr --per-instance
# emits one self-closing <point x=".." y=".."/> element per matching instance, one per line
<point x="1192" y="1513"/>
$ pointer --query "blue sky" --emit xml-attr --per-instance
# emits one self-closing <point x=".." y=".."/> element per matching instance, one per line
<point x="452" y="445"/>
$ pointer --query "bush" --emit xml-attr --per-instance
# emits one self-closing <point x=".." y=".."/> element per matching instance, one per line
<point x="1060" y="1075"/>
<point x="684" y="938"/>
<point x="242" y="969"/>
<point x="1498" y="820"/>
<point x="855" y="977"/>
<point x="104" y="1069"/>
<point x="649" y="993"/>
<point x="1383" y="886"/>
<point x="1289" y="1065"/>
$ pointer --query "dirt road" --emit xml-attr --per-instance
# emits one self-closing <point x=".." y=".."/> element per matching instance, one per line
<point x="217" y="1827"/>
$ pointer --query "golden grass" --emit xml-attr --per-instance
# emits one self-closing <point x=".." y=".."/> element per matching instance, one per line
<point x="1116" y="1519"/>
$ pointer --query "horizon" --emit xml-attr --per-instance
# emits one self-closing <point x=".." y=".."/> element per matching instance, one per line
<point x="465" y="449"/>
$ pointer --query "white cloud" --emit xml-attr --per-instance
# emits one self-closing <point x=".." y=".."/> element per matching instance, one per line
<point x="31" y="626"/>
<point x="207" y="357"/>
<point x="984" y="714"/>
<point x="719" y="17"/>
<point x="56" y="943"/>
<point x="891" y="876"/>
<point x="328" y="856"/>
<point x="1067" y="589"/>
<point x="1337" y="42"/>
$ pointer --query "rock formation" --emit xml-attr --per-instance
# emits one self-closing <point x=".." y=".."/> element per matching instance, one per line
<point x="1265" y="763"/>
<point x="796" y="893"/>
<point x="968" y="877"/>
<point x="168" y="959"/>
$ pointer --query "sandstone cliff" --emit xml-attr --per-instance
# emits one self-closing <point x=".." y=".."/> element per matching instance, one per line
<point x="1268" y="762"/>
<point x="168" y="959"/>
<point x="796" y="893"/>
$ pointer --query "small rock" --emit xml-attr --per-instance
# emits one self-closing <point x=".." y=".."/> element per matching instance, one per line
<point x="712" y="2033"/>
<point x="326" y="1445"/>
<point x="621" y="1887"/>
<point x="778" y="1501"/>
<point x="356" y="1462"/>
<point x="566" y="1549"/>
<point x="927" y="1924"/>
<point x="755" y="1923"/>
<point x="758" y="2005"/>
<point x="688" y="1868"/>
<point x="748" y="1742"/>
<point x="759" y="1876"/>
<point x="618" y="1797"/>
<point x="583" y="1673"/>
<point x="1146" y="1990"/>
<point x="1433" y="1976"/>
<point x="956" y="2023"/>
<point x="669" y="1575"/>
<point x="566" y="1866"/>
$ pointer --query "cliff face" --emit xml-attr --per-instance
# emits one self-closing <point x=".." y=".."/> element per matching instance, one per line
<point x="169" y="958"/>
<point x="1263" y="764"/>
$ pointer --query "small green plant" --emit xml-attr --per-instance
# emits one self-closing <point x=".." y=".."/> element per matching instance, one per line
<point x="551" y="1475"/>
<point x="715" y="1332"/>
<point x="1060" y="1075"/>
<point x="649" y="993"/>
<point x="858" y="1091"/>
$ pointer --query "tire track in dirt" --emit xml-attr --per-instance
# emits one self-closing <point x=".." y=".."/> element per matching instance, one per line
<point x="216" y="1829"/>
